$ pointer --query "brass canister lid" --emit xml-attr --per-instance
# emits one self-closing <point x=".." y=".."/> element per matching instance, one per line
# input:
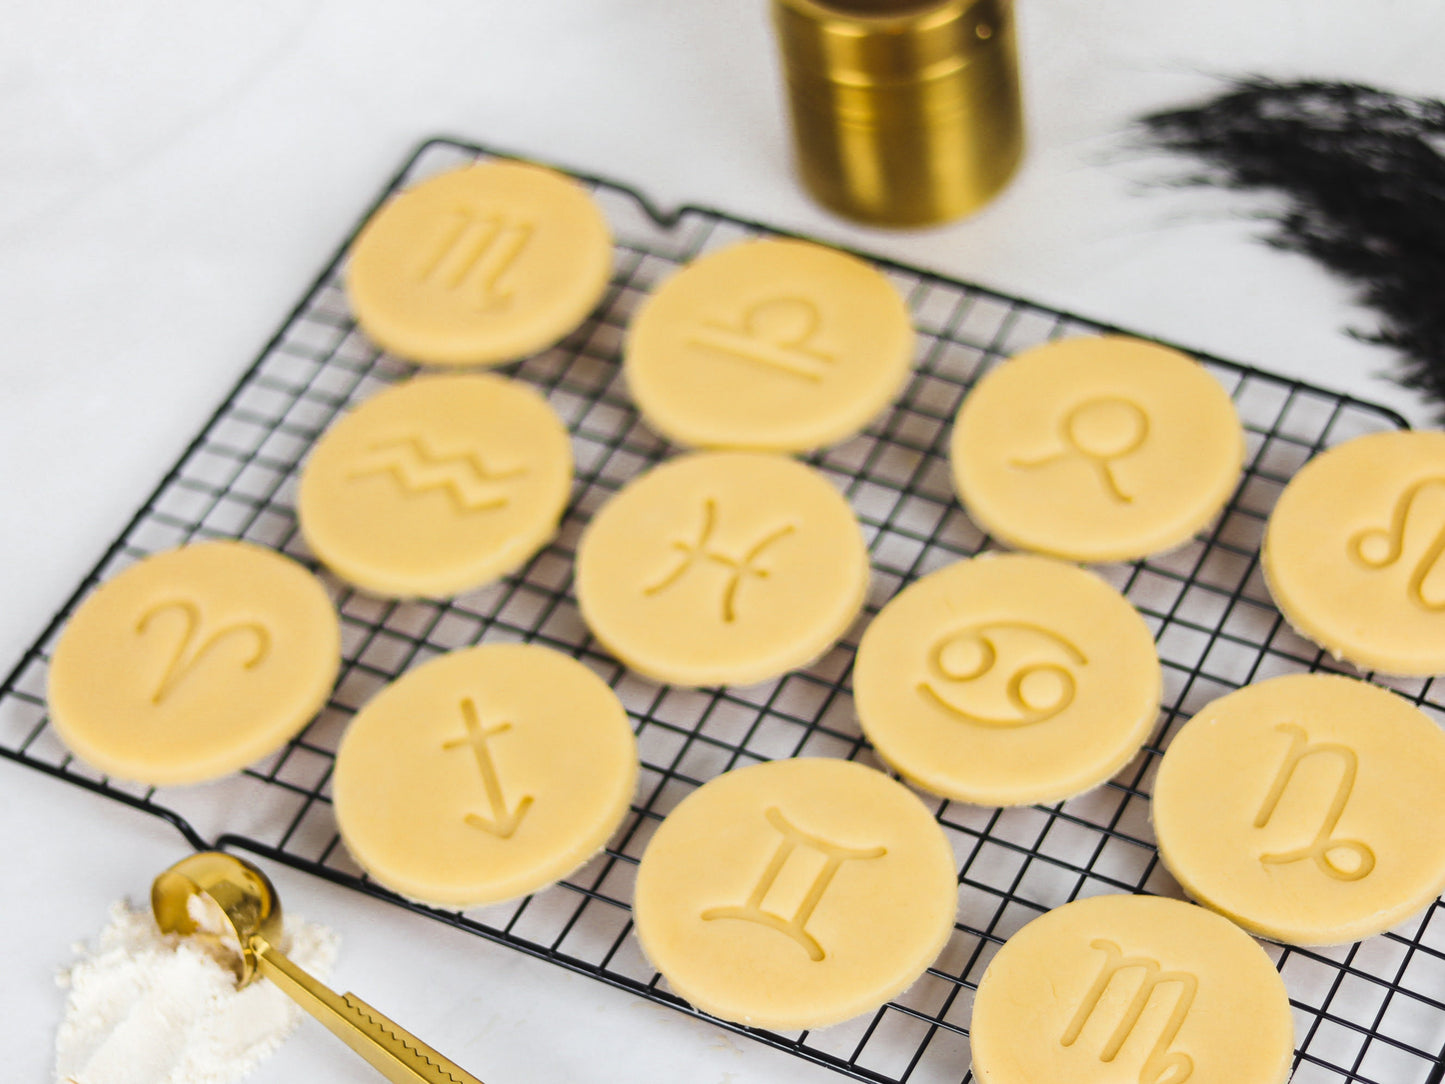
<point x="905" y="112"/>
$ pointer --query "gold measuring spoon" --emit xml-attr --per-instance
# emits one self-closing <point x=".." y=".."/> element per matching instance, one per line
<point x="249" y="923"/>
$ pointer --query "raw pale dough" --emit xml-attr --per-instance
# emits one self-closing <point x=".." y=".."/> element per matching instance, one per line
<point x="1007" y="679"/>
<point x="1097" y="449"/>
<point x="795" y="893"/>
<point x="1131" y="990"/>
<point x="722" y="568"/>
<point x="193" y="663"/>
<point x="1308" y="808"/>
<point x="480" y="265"/>
<point x="436" y="486"/>
<point x="768" y="345"/>
<point x="1352" y="552"/>
<point x="484" y="774"/>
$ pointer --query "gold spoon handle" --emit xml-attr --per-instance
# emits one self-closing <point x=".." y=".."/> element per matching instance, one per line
<point x="392" y="1050"/>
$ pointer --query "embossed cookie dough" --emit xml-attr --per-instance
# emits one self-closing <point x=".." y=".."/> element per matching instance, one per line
<point x="768" y="345"/>
<point x="1352" y="552"/>
<point x="722" y="568"/>
<point x="1096" y="449"/>
<point x="795" y="893"/>
<point x="480" y="265"/>
<point x="193" y="663"/>
<point x="1007" y="679"/>
<point x="436" y="486"/>
<point x="1131" y="990"/>
<point x="484" y="774"/>
<point x="1332" y="827"/>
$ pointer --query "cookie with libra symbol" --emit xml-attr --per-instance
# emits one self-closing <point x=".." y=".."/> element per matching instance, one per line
<point x="479" y="265"/>
<point x="436" y="486"/>
<point x="795" y="893"/>
<point x="772" y="345"/>
<point x="1353" y="552"/>
<point x="1332" y="827"/>
<point x="1096" y="449"/>
<point x="193" y="663"/>
<point x="484" y="775"/>
<point x="1131" y="990"/>
<point x="722" y="568"/>
<point x="1007" y="679"/>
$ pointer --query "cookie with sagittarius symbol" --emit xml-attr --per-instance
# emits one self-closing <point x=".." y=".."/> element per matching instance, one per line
<point x="484" y="774"/>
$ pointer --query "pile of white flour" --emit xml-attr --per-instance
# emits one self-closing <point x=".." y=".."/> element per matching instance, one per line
<point x="152" y="1008"/>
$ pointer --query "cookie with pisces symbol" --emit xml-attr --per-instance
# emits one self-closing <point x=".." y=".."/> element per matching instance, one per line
<point x="722" y="568"/>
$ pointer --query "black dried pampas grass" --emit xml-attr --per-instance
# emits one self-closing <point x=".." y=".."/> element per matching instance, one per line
<point x="1362" y="173"/>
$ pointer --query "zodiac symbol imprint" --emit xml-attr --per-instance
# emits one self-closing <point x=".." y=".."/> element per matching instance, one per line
<point x="738" y="568"/>
<point x="1323" y="848"/>
<point x="1030" y="688"/>
<point x="1161" y="1067"/>
<point x="465" y="478"/>
<point x="475" y="252"/>
<point x="195" y="644"/>
<point x="1101" y="431"/>
<point x="1382" y="547"/>
<point x="503" y="822"/>
<point x="795" y="926"/>
<point x="775" y="334"/>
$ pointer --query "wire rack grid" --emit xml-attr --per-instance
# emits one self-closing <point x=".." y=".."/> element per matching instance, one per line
<point x="1372" y="1013"/>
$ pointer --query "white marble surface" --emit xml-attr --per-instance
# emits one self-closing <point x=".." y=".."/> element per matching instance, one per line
<point x="173" y="174"/>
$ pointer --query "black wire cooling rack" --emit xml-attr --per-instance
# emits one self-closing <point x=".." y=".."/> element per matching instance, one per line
<point x="1372" y="1012"/>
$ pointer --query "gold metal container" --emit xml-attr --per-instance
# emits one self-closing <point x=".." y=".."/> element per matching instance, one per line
<point x="905" y="112"/>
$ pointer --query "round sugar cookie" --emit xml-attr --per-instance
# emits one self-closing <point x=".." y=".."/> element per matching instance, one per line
<point x="1130" y="989"/>
<point x="795" y="893"/>
<point x="722" y="568"/>
<point x="194" y="662"/>
<point x="1007" y="679"/>
<point x="1332" y="825"/>
<point x="436" y="486"/>
<point x="479" y="265"/>
<point x="1352" y="552"/>
<point x="484" y="774"/>
<point x="768" y="345"/>
<point x="1096" y="449"/>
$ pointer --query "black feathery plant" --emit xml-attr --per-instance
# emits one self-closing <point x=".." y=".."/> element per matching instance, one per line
<point x="1362" y="173"/>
